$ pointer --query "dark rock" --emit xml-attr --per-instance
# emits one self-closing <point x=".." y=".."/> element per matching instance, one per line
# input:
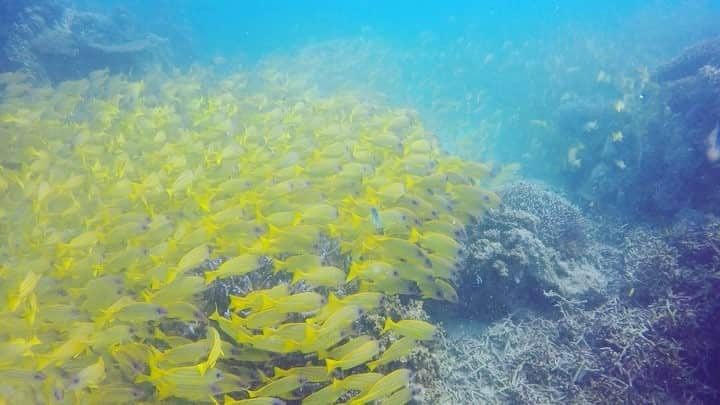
<point x="53" y="40"/>
<point x="690" y="61"/>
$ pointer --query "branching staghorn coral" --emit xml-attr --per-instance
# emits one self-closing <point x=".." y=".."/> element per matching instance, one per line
<point x="610" y="354"/>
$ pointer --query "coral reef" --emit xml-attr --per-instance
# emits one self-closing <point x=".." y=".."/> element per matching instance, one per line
<point x="666" y="123"/>
<point x="690" y="61"/>
<point x="652" y="340"/>
<point x="536" y="240"/>
<point x="610" y="354"/>
<point x="51" y="39"/>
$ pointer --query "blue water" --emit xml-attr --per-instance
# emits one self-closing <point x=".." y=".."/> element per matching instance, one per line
<point x="255" y="28"/>
<point x="478" y="72"/>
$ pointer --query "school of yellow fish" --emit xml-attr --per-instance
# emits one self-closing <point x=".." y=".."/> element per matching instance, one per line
<point x="116" y="191"/>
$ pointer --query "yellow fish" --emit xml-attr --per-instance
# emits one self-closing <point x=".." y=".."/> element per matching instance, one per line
<point x="258" y="299"/>
<point x="295" y="331"/>
<point x="181" y="289"/>
<point x="619" y="106"/>
<point x="253" y="401"/>
<point x="345" y="348"/>
<point x="356" y="357"/>
<point x="89" y="377"/>
<point x="399" y="349"/>
<point x="140" y="312"/>
<point x="320" y="214"/>
<point x="27" y="286"/>
<point x="282" y="387"/>
<point x="360" y="382"/>
<point x="297" y="262"/>
<point x="326" y="395"/>
<point x="183" y="354"/>
<point x="215" y="351"/>
<point x="182" y="382"/>
<point x="115" y="394"/>
<point x="194" y="257"/>
<point x="415" y="329"/>
<point x="384" y="387"/>
<point x="436" y="243"/>
<point x="324" y="276"/>
<point x="84" y="240"/>
<point x="236" y="266"/>
<point x="371" y="270"/>
<point x="67" y="350"/>
<point x="311" y="373"/>
<point x="301" y="302"/>
<point x="262" y="319"/>
<point x="320" y="339"/>
<point x="11" y="351"/>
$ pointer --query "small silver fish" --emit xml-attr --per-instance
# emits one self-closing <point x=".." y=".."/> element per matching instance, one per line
<point x="713" y="149"/>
